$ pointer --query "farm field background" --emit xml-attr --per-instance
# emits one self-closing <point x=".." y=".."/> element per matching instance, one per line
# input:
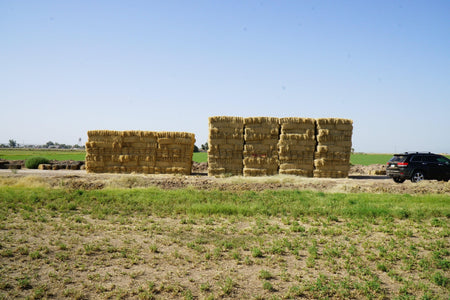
<point x="23" y="154"/>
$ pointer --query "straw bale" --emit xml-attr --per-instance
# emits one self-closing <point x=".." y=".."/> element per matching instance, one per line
<point x="218" y="120"/>
<point x="319" y="162"/>
<point x="176" y="140"/>
<point x="261" y="120"/>
<point x="334" y="132"/>
<point x="229" y="146"/>
<point x="333" y="148"/>
<point x="330" y="174"/>
<point x="216" y="171"/>
<point x="148" y="170"/>
<point x="268" y="150"/>
<point x="226" y="130"/>
<point x="335" y="139"/>
<point x="93" y="164"/>
<point x="307" y="136"/>
<point x="130" y="139"/>
<point x="284" y="149"/>
<point x="100" y="133"/>
<point x="225" y="141"/>
<point x="297" y="121"/>
<point x="267" y="142"/>
<point x="224" y="172"/>
<point x="218" y="165"/>
<point x="304" y="165"/>
<point x="102" y="144"/>
<point x="333" y="155"/>
<point x="226" y="154"/>
<point x="265" y="130"/>
<point x="259" y="172"/>
<point x="133" y="163"/>
<point x="296" y="159"/>
<point x="127" y="158"/>
<point x="261" y="162"/>
<point x="175" y="134"/>
<point x="297" y="172"/>
<point x="334" y="123"/>
<point x="260" y="137"/>
<point x="45" y="167"/>
<point x="223" y="135"/>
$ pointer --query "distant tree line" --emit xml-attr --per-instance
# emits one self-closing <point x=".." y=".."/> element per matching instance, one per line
<point x="203" y="148"/>
<point x="49" y="145"/>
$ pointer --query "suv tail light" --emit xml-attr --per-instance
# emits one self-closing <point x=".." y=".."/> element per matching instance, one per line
<point x="402" y="164"/>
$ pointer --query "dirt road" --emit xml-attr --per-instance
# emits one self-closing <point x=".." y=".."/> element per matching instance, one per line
<point x="79" y="179"/>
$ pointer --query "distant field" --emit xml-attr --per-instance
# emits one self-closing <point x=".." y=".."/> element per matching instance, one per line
<point x="369" y="159"/>
<point x="200" y="157"/>
<point x="53" y="154"/>
<point x="20" y="154"/>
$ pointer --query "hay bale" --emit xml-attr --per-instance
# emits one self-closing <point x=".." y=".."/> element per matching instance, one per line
<point x="261" y="121"/>
<point x="297" y="172"/>
<point x="45" y="167"/>
<point x="253" y="172"/>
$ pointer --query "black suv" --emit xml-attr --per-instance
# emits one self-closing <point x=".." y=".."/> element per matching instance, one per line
<point x="418" y="166"/>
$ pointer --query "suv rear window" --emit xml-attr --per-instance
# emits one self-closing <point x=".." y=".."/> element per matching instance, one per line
<point x="398" y="158"/>
<point x="418" y="158"/>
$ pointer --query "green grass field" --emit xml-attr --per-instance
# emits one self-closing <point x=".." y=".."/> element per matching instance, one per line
<point x="23" y="154"/>
<point x="369" y="159"/>
<point x="196" y="244"/>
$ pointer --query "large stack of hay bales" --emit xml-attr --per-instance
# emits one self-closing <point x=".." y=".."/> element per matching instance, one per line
<point x="226" y="146"/>
<point x="145" y="152"/>
<point x="296" y="146"/>
<point x="261" y="146"/>
<point x="334" y="144"/>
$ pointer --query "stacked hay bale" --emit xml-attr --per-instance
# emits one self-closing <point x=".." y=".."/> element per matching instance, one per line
<point x="334" y="144"/>
<point x="226" y="146"/>
<point x="102" y="150"/>
<point x="261" y="146"/>
<point x="296" y="146"/>
<point x="110" y="151"/>
<point x="138" y="153"/>
<point x="174" y="153"/>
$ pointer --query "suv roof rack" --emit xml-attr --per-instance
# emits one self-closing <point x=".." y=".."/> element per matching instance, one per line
<point x="418" y="152"/>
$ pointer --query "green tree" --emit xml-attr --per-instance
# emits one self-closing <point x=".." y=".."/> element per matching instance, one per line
<point x="12" y="143"/>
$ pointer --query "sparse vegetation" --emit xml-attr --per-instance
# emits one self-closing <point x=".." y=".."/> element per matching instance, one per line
<point x="66" y="243"/>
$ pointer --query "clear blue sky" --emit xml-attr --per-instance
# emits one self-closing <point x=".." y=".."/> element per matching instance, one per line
<point x="67" y="67"/>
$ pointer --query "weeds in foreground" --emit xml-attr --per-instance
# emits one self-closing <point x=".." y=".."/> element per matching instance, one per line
<point x="107" y="244"/>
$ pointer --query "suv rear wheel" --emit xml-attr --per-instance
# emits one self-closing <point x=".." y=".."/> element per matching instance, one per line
<point x="399" y="180"/>
<point x="417" y="176"/>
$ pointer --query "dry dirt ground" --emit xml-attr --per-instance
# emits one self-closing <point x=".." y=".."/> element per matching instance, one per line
<point x="358" y="181"/>
<point x="47" y="253"/>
